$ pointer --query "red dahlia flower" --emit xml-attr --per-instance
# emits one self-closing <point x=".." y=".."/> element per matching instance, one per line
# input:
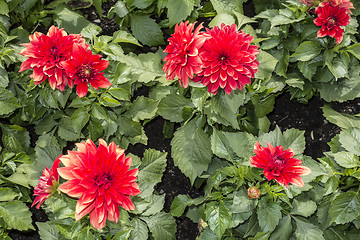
<point x="340" y="3"/>
<point x="101" y="178"/>
<point x="46" y="53"/>
<point x="47" y="185"/>
<point x="330" y="19"/>
<point x="183" y="58"/>
<point x="279" y="164"/>
<point x="85" y="68"/>
<point x="229" y="61"/>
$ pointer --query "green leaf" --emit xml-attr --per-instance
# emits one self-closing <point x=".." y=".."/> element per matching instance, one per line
<point x="207" y="234"/>
<point x="66" y="131"/>
<point x="171" y="107"/>
<point x="45" y="125"/>
<point x="296" y="82"/>
<point x="342" y="120"/>
<point x="121" y="9"/>
<point x="354" y="50"/>
<point x="275" y="138"/>
<point x="19" y="178"/>
<point x="146" y="30"/>
<point x="217" y="217"/>
<point x="241" y="143"/>
<point x="283" y="56"/>
<point x="61" y="206"/>
<point x="139" y="230"/>
<point x="220" y="145"/>
<point x="308" y="69"/>
<point x="80" y="102"/>
<point x="4" y="78"/>
<point x="4" y="9"/>
<point x="85" y="233"/>
<point x="151" y="170"/>
<point x="224" y="108"/>
<point x="350" y="140"/>
<point x="162" y="225"/>
<point x="307" y="51"/>
<point x="125" y="37"/>
<point x="142" y="108"/>
<point x="283" y="230"/>
<point x="7" y="194"/>
<point x="338" y="67"/>
<point x="191" y="150"/>
<point x="345" y="208"/>
<point x="91" y="31"/>
<point x="295" y="140"/>
<point x="303" y="207"/>
<point x="80" y="118"/>
<point x="120" y="94"/>
<point x="15" y="138"/>
<point x="242" y="19"/>
<point x="331" y="185"/>
<point x="96" y="129"/>
<point x="71" y="21"/>
<point x="260" y="236"/>
<point x="307" y="231"/>
<point x="286" y="16"/>
<point x="16" y="215"/>
<point x="48" y="230"/>
<point x="108" y="101"/>
<point x="144" y="67"/>
<point x="222" y="18"/>
<point x="8" y="102"/>
<point x="227" y="6"/>
<point x="123" y="235"/>
<point x="267" y="64"/>
<point x="142" y="3"/>
<point x="343" y="89"/>
<point x="179" y="204"/>
<point x="323" y="210"/>
<point x="179" y="10"/>
<point x="346" y="159"/>
<point x="269" y="214"/>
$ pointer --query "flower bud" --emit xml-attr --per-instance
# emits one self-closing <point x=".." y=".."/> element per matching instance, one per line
<point x="253" y="192"/>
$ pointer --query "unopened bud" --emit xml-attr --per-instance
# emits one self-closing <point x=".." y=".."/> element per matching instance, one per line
<point x="253" y="192"/>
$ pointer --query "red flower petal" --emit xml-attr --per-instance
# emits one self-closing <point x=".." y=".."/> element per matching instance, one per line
<point x="100" y="177"/>
<point x="331" y="16"/>
<point x="227" y="58"/>
<point x="46" y="53"/>
<point x="279" y="164"/>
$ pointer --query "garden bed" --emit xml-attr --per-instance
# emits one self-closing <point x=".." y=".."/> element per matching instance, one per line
<point x="198" y="150"/>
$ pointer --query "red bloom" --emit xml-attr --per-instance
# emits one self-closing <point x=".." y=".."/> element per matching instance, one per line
<point x="228" y="59"/>
<point x="340" y="3"/>
<point x="101" y="178"/>
<point x="47" y="185"/>
<point x="279" y="164"/>
<point x="85" y="68"/>
<point x="183" y="58"/>
<point x="330" y="19"/>
<point x="46" y="53"/>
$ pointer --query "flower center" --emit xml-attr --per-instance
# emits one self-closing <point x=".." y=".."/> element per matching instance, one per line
<point x="103" y="180"/>
<point x="331" y="21"/>
<point x="223" y="59"/>
<point x="85" y="71"/>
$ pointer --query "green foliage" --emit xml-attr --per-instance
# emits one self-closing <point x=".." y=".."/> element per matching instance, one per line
<point x="212" y="136"/>
<point x="191" y="150"/>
